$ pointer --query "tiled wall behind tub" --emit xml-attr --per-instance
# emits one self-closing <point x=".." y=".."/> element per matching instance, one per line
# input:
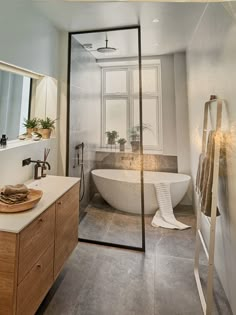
<point x="131" y="161"/>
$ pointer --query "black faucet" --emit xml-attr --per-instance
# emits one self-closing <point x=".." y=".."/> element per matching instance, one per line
<point x="39" y="164"/>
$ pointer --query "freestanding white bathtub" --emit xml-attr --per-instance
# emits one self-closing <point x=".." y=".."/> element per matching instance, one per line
<point x="121" y="188"/>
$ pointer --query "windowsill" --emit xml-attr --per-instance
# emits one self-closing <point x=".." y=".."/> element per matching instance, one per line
<point x="13" y="144"/>
<point x="116" y="149"/>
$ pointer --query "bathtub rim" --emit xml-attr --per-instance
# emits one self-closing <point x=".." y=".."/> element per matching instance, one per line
<point x="184" y="178"/>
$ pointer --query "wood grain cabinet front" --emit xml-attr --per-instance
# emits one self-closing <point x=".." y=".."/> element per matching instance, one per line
<point x="31" y="259"/>
<point x="34" y="287"/>
<point x="66" y="230"/>
<point x="34" y="240"/>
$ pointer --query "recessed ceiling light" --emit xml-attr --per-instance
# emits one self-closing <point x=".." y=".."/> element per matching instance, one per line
<point x="155" y="20"/>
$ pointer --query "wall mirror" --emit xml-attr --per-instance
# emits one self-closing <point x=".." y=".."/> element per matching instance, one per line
<point x="15" y="94"/>
<point x="24" y="94"/>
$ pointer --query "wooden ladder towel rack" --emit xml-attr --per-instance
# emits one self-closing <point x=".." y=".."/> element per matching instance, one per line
<point x="207" y="303"/>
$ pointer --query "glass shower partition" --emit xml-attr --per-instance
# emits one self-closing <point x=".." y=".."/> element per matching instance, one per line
<point x="104" y="146"/>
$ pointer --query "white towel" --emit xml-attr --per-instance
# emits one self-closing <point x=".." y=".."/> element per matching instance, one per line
<point x="164" y="217"/>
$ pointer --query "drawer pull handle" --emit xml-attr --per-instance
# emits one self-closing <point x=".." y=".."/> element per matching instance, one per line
<point x="60" y="202"/>
<point x="39" y="266"/>
<point x="40" y="220"/>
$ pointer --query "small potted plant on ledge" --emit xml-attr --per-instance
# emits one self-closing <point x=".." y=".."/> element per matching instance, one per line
<point x="47" y="125"/>
<point x="31" y="126"/>
<point x="111" y="137"/>
<point x="135" y="136"/>
<point x="122" y="142"/>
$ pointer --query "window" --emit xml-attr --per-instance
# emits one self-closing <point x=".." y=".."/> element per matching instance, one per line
<point x="120" y="103"/>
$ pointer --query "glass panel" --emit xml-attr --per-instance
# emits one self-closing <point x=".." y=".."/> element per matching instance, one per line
<point x="110" y="207"/>
<point x="116" y="116"/>
<point x="149" y="120"/>
<point x="149" y="80"/>
<point x="116" y="82"/>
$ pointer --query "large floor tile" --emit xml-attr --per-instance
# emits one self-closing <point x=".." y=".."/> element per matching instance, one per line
<point x="64" y="293"/>
<point x="121" y="285"/>
<point x="100" y="280"/>
<point x="176" y="290"/>
<point x="124" y="230"/>
<point x="95" y="223"/>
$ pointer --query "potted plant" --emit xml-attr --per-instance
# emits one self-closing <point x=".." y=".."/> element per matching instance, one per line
<point x="135" y="136"/>
<point x="111" y="136"/>
<point x="122" y="142"/>
<point x="30" y="125"/>
<point x="47" y="125"/>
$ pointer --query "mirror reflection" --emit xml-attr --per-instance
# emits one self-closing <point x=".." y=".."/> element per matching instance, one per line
<point x="14" y="103"/>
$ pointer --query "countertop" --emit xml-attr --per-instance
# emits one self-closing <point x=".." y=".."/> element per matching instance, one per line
<point x="53" y="187"/>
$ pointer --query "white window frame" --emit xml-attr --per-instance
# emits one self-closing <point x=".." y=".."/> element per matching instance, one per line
<point x="130" y="96"/>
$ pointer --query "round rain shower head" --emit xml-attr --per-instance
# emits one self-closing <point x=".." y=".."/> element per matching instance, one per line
<point x="106" y="49"/>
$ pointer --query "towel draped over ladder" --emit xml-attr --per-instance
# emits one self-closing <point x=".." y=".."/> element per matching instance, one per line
<point x="204" y="179"/>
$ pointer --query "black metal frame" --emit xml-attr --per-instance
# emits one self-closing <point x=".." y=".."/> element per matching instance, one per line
<point x="30" y="98"/>
<point x="70" y="34"/>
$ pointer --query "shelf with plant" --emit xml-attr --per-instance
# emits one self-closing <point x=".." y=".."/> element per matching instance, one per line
<point x="134" y="135"/>
<point x="112" y="136"/>
<point x="122" y="142"/>
<point x="46" y="126"/>
<point x="31" y="125"/>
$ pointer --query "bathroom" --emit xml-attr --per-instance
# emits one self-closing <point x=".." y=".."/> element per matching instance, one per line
<point x="190" y="48"/>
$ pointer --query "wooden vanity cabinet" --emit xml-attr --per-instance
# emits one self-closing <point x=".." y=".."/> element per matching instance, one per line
<point x="31" y="260"/>
<point x="66" y="229"/>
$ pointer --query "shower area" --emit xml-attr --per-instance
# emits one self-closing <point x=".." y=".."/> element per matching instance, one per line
<point x="115" y="137"/>
<point x="105" y="124"/>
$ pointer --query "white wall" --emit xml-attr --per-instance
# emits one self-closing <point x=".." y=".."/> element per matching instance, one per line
<point x="211" y="67"/>
<point x="12" y="171"/>
<point x="168" y="105"/>
<point x="182" y="128"/>
<point x="28" y="40"/>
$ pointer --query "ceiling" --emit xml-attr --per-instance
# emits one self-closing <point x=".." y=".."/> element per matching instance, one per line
<point x="172" y="33"/>
<point x="124" y="41"/>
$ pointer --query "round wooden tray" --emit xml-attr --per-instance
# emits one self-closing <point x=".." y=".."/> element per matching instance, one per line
<point x="33" y="198"/>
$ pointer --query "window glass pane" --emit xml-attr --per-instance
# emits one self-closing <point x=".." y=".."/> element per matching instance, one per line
<point x="149" y="80"/>
<point x="116" y="81"/>
<point x="116" y="116"/>
<point x="149" y="120"/>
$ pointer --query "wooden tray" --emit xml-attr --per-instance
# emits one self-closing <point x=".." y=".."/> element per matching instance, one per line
<point x="33" y="198"/>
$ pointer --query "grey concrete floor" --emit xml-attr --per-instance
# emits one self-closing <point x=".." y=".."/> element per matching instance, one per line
<point x="100" y="280"/>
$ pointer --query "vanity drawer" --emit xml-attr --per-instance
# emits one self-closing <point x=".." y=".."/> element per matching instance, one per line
<point x="66" y="230"/>
<point x="67" y="205"/>
<point x="34" y="240"/>
<point x="34" y="287"/>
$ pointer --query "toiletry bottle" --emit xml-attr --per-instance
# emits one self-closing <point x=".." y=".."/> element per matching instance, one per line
<point x="37" y="171"/>
<point x="43" y="170"/>
<point x="3" y="141"/>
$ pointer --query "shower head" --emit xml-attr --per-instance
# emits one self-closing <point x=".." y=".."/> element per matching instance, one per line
<point x="106" y="49"/>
